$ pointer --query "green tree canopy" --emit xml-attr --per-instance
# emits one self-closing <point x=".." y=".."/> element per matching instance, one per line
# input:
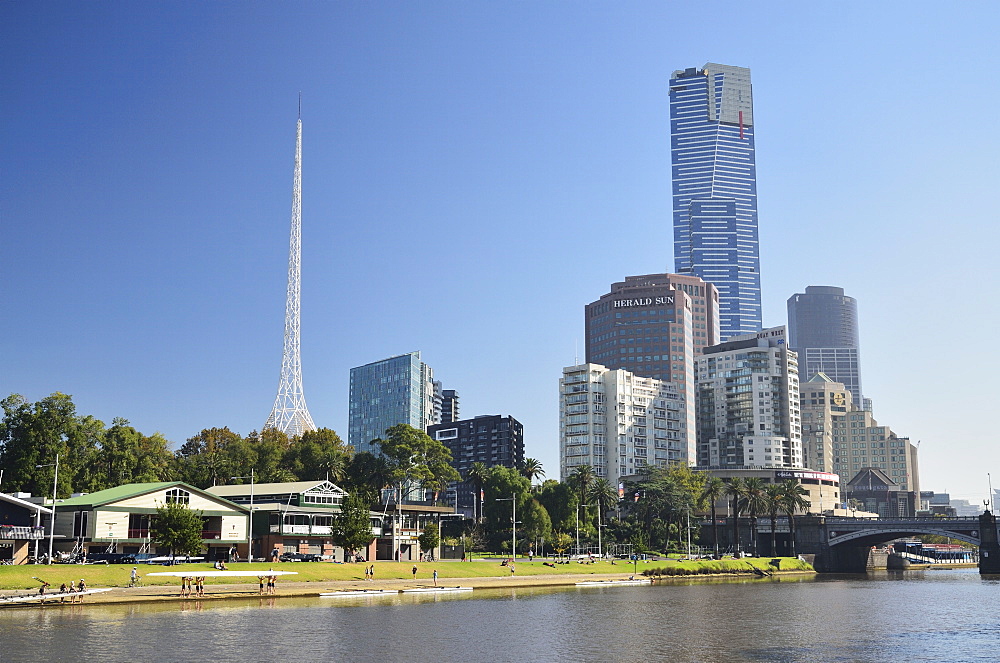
<point x="177" y="528"/>
<point x="352" y="527"/>
<point x="429" y="537"/>
<point x="414" y="456"/>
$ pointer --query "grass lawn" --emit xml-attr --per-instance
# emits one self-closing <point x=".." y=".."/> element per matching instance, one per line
<point x="117" y="575"/>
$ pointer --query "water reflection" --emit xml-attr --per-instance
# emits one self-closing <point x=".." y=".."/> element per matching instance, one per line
<point x="911" y="616"/>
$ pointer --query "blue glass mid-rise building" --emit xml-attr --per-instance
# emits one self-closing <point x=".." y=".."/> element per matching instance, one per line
<point x="714" y="185"/>
<point x="397" y="390"/>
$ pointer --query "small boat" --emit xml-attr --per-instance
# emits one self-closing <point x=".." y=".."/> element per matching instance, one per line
<point x="362" y="592"/>
<point x="627" y="582"/>
<point x="221" y="574"/>
<point x="51" y="597"/>
<point x="436" y="590"/>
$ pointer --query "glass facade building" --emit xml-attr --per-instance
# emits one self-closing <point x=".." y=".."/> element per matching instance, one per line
<point x="397" y="390"/>
<point x="823" y="329"/>
<point x="714" y="187"/>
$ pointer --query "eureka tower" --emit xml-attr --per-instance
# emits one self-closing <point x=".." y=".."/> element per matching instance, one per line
<point x="714" y="189"/>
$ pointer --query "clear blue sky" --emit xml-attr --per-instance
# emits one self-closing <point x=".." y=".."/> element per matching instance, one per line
<point x="474" y="173"/>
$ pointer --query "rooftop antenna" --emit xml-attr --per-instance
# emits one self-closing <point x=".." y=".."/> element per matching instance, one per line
<point x="576" y="352"/>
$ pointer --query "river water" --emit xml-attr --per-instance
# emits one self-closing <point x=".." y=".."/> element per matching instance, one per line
<point x="940" y="615"/>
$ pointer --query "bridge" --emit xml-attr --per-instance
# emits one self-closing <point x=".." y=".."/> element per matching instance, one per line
<point x="843" y="545"/>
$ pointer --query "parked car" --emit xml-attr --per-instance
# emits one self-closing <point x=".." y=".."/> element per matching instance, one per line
<point x="300" y="557"/>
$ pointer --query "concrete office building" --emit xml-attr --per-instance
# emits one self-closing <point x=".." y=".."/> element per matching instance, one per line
<point x="489" y="439"/>
<point x="823" y="405"/>
<point x="823" y="330"/>
<point x="748" y="403"/>
<point x="860" y="442"/>
<point x="653" y="326"/>
<point x="619" y="423"/>
<point x="397" y="390"/>
<point x="714" y="186"/>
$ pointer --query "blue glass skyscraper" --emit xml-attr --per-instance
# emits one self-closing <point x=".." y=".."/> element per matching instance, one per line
<point x="715" y="189"/>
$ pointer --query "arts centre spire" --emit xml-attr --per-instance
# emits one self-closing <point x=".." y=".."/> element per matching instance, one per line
<point x="290" y="413"/>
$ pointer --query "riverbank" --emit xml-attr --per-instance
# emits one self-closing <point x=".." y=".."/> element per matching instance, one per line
<point x="312" y="579"/>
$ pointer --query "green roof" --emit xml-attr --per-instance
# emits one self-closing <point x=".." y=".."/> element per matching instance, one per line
<point x="128" y="490"/>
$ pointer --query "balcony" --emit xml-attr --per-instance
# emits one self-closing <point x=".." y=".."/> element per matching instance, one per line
<point x="315" y="530"/>
<point x="10" y="533"/>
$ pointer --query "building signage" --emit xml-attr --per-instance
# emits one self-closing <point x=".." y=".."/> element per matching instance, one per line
<point x="823" y="476"/>
<point x="666" y="300"/>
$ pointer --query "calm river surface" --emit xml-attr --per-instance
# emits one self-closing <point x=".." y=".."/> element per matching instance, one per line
<point x="900" y="617"/>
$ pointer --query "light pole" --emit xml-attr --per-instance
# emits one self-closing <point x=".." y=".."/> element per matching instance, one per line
<point x="52" y="521"/>
<point x="578" y="507"/>
<point x="513" y="522"/>
<point x="250" y="520"/>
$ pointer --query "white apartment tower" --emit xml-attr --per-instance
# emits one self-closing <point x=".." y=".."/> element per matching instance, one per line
<point x="748" y="403"/>
<point x="619" y="423"/>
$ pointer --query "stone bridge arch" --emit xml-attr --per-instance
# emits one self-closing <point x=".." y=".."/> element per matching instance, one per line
<point x="878" y="536"/>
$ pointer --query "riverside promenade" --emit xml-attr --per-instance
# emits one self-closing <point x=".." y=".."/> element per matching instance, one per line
<point x="314" y="578"/>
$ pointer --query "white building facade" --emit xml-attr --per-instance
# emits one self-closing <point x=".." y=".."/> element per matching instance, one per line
<point x="619" y="423"/>
<point x="748" y="403"/>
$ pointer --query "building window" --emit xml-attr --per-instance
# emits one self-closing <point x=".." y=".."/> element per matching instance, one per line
<point x="178" y="496"/>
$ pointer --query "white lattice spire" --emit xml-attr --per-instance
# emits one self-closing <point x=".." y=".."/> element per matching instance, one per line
<point x="290" y="413"/>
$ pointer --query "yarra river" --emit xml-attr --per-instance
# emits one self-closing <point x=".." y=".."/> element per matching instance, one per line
<point x="939" y="615"/>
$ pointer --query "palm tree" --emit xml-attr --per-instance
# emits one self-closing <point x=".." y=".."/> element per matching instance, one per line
<point x="714" y="489"/>
<point x="477" y="474"/>
<point x="772" y="502"/>
<point x="604" y="495"/>
<point x="753" y="489"/>
<point x="531" y="468"/>
<point x="792" y="500"/>
<point x="583" y="476"/>
<point x="735" y="491"/>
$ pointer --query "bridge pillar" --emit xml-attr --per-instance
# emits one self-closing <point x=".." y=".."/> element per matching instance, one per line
<point x="989" y="547"/>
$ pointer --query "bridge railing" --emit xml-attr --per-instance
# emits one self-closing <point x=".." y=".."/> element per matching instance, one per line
<point x="845" y="520"/>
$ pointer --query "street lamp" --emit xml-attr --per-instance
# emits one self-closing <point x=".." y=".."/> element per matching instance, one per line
<point x="52" y="522"/>
<point x="250" y="521"/>
<point x="513" y="523"/>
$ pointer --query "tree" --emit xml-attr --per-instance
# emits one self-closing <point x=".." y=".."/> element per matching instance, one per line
<point x="753" y="493"/>
<point x="414" y="456"/>
<point x="560" y="501"/>
<point x="178" y="528"/>
<point x="792" y="500"/>
<point x="581" y="478"/>
<point x="352" y="527"/>
<point x="560" y="542"/>
<point x="476" y="474"/>
<point x="35" y="433"/>
<point x="503" y="484"/>
<point x="536" y="522"/>
<point x="366" y="475"/>
<point x="713" y="491"/>
<point x="319" y="454"/>
<point x="201" y="461"/>
<point x="531" y="468"/>
<point x="128" y="456"/>
<point x="735" y="491"/>
<point x="772" y="503"/>
<point x="605" y="496"/>
<point x="430" y="537"/>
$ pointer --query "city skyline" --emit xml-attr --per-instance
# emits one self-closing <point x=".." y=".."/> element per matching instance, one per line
<point x="470" y="155"/>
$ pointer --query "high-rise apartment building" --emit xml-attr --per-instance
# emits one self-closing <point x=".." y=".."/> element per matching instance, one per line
<point x="653" y="325"/>
<point x="823" y="330"/>
<point x="449" y="406"/>
<point x="619" y="423"/>
<point x="748" y="403"/>
<point x="397" y="390"/>
<point x="859" y="442"/>
<point x="489" y="439"/>
<point x="714" y="186"/>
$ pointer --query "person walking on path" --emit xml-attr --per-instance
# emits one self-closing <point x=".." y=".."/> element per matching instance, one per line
<point x="134" y="577"/>
<point x="414" y="571"/>
<point x="435" y="577"/>
<point x="511" y="568"/>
